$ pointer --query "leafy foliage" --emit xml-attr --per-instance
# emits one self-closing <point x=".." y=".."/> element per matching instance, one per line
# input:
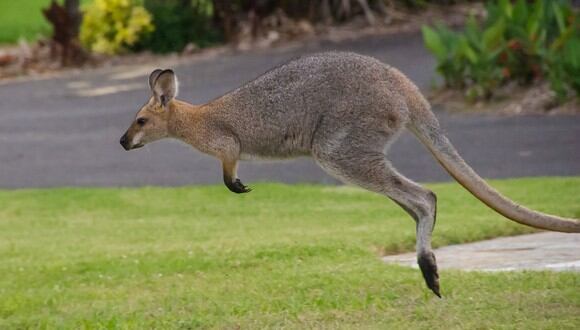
<point x="517" y="42"/>
<point x="178" y="22"/>
<point x="112" y="26"/>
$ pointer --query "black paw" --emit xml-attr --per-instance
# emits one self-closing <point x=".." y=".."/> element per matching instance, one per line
<point x="238" y="187"/>
<point x="428" y="266"/>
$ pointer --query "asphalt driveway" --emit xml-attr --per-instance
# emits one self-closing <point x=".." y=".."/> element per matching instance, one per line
<point x="64" y="131"/>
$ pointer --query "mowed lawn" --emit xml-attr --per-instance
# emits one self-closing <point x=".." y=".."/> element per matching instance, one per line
<point x="24" y="19"/>
<point x="282" y="256"/>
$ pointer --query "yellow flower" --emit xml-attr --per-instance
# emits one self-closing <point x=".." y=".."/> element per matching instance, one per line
<point x="111" y="26"/>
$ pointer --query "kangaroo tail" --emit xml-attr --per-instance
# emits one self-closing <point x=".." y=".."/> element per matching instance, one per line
<point x="429" y="133"/>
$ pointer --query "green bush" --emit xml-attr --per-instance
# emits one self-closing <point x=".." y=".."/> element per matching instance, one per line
<point x="113" y="26"/>
<point x="517" y="42"/>
<point x="178" y="22"/>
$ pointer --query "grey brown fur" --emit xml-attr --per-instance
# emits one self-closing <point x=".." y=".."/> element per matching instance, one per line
<point x="342" y="109"/>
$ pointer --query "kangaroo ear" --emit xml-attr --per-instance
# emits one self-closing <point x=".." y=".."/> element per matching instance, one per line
<point x="164" y="86"/>
<point x="153" y="76"/>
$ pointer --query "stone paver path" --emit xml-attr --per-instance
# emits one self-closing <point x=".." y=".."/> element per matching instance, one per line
<point x="542" y="251"/>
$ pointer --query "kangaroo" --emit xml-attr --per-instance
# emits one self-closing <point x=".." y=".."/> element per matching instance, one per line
<point x="343" y="110"/>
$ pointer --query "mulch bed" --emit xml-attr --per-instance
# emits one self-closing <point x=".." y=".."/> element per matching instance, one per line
<point x="511" y="100"/>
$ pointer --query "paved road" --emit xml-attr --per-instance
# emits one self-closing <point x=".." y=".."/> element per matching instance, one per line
<point x="65" y="131"/>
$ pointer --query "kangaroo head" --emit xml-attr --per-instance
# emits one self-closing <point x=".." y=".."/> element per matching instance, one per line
<point x="150" y="123"/>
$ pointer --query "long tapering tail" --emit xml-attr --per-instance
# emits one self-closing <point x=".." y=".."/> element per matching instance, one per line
<point x="433" y="138"/>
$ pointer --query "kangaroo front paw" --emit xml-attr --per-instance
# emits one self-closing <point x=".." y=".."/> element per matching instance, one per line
<point x="428" y="266"/>
<point x="238" y="187"/>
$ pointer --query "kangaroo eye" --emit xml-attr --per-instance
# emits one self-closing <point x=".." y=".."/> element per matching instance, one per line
<point x="141" y="121"/>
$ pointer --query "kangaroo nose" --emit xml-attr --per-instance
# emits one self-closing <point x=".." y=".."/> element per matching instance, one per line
<point x="124" y="141"/>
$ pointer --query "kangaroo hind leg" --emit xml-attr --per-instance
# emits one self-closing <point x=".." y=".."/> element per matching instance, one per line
<point x="371" y="170"/>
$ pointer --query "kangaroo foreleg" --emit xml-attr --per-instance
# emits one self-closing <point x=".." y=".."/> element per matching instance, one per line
<point x="231" y="179"/>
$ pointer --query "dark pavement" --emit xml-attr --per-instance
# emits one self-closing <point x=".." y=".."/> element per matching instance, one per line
<point x="64" y="131"/>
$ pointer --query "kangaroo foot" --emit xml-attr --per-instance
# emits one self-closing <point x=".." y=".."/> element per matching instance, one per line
<point x="428" y="267"/>
<point x="238" y="187"/>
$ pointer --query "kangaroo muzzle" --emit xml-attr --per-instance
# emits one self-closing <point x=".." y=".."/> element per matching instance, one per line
<point x="125" y="142"/>
<point x="129" y="143"/>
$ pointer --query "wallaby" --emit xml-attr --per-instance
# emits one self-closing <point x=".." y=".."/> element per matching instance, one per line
<point x="342" y="109"/>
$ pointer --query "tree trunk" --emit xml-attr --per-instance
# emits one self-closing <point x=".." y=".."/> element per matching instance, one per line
<point x="326" y="12"/>
<point x="65" y="21"/>
<point x="224" y="18"/>
<point x="368" y="12"/>
<point x="344" y="10"/>
<point x="74" y="13"/>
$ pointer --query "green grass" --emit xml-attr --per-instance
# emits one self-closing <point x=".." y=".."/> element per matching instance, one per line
<point x="24" y="19"/>
<point x="280" y="257"/>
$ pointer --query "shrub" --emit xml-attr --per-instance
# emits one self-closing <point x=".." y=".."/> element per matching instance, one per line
<point x="517" y="42"/>
<point x="113" y="26"/>
<point x="178" y="22"/>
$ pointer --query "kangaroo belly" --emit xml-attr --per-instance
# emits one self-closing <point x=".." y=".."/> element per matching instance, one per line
<point x="277" y="146"/>
<point x="250" y="156"/>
